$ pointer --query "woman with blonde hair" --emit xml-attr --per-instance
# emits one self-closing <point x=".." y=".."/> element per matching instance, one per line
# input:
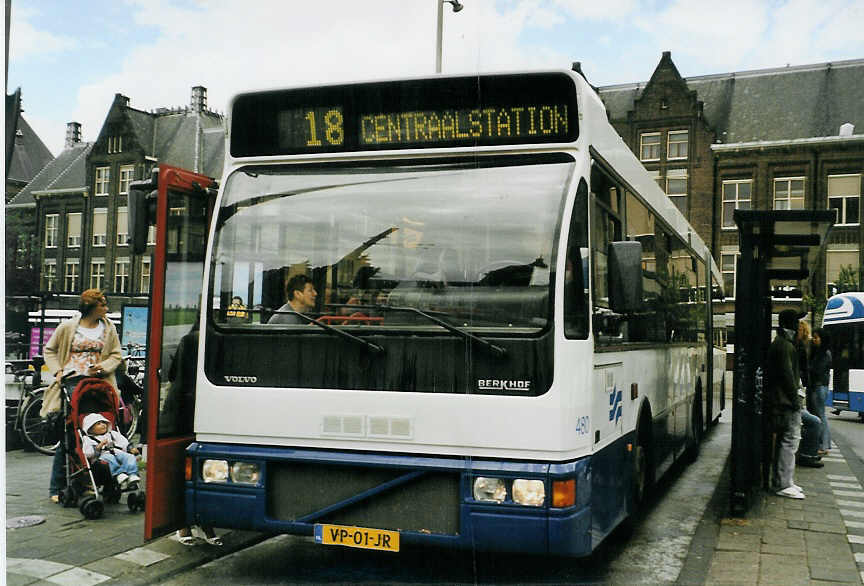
<point x="87" y="345"/>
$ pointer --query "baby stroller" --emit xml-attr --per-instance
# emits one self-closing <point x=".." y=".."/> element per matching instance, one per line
<point x="90" y="486"/>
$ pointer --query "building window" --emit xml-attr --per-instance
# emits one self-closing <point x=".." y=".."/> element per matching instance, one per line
<point x="650" y="146"/>
<point x="145" y="276"/>
<point x="100" y="226"/>
<point x="736" y="196"/>
<point x="655" y="175"/>
<point x="71" y="276"/>
<point x="103" y="175"/>
<point x="51" y="224"/>
<point x="676" y="188"/>
<point x="97" y="273"/>
<point x="121" y="275"/>
<point x="844" y="195"/>
<point x="127" y="174"/>
<point x="837" y="261"/>
<point x="789" y="193"/>
<point x="49" y="275"/>
<point x="115" y="144"/>
<point x="676" y="147"/>
<point x="122" y="226"/>
<point x="728" y="266"/>
<point x="73" y="230"/>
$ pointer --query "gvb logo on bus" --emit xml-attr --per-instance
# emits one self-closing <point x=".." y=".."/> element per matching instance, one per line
<point x="615" y="396"/>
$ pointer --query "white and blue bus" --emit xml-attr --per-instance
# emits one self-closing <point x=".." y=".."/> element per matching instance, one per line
<point x="511" y="341"/>
<point x="843" y="321"/>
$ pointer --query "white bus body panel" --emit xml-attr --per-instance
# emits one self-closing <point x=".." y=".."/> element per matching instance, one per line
<point x="571" y="420"/>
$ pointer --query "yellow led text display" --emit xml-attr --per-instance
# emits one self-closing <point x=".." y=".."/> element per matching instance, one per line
<point x="538" y="120"/>
<point x="312" y="127"/>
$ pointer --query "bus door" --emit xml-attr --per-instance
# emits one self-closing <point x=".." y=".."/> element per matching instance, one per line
<point x="171" y="212"/>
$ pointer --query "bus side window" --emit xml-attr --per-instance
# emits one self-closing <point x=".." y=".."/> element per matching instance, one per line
<point x="605" y="228"/>
<point x="576" y="269"/>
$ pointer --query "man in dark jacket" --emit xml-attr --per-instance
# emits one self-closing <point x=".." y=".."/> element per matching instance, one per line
<point x="784" y="386"/>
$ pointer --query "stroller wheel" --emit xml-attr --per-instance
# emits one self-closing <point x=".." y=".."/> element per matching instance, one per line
<point x="92" y="507"/>
<point x="68" y="497"/>
<point x="135" y="501"/>
<point x="112" y="495"/>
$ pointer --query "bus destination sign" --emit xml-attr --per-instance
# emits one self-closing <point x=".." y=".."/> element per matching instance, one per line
<point x="429" y="113"/>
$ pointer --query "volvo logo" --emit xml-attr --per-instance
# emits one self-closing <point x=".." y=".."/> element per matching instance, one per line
<point x="240" y="379"/>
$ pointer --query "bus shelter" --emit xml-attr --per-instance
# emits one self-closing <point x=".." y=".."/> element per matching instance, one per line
<point x="774" y="245"/>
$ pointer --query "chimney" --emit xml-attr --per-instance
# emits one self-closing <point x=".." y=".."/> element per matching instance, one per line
<point x="121" y="99"/>
<point x="73" y="134"/>
<point x="199" y="99"/>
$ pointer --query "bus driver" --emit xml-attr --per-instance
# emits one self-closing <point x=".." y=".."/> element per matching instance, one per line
<point x="301" y="298"/>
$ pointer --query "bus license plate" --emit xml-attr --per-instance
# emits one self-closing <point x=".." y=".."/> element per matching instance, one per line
<point x="357" y="537"/>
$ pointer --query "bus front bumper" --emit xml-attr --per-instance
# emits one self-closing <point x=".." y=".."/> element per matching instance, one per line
<point x="428" y="500"/>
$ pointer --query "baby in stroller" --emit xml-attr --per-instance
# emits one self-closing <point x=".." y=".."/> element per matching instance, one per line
<point x="109" y="445"/>
<point x="100" y="464"/>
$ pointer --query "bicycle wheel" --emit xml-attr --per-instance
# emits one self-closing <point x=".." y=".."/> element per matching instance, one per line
<point x="41" y="434"/>
<point x="128" y="430"/>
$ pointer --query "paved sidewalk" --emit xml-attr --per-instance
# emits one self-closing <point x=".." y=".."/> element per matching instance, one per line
<point x="68" y="549"/>
<point x="818" y="540"/>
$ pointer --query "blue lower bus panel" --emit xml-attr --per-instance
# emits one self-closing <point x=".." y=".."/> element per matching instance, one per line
<point x="851" y="401"/>
<point x="427" y="499"/>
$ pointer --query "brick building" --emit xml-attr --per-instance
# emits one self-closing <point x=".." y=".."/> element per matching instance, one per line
<point x="81" y="198"/>
<point x="767" y="139"/>
<point x="780" y="138"/>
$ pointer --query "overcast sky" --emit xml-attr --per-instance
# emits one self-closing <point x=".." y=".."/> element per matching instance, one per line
<point x="71" y="57"/>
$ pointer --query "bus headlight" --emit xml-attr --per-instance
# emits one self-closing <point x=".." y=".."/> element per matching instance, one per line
<point x="529" y="492"/>
<point x="489" y="489"/>
<point x="214" y="471"/>
<point x="245" y="472"/>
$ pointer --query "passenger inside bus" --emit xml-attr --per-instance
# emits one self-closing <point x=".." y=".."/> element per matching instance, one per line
<point x="301" y="299"/>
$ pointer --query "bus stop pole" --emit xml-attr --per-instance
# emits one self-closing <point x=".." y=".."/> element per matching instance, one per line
<point x="747" y="440"/>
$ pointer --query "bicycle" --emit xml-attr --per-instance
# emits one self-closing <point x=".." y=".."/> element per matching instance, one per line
<point x="44" y="434"/>
<point x="41" y="434"/>
<point x="130" y="383"/>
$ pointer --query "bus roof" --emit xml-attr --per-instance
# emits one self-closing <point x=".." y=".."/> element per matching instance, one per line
<point x="844" y="308"/>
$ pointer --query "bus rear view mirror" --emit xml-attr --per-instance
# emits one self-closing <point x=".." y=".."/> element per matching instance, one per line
<point x="625" y="276"/>
<point x="141" y="199"/>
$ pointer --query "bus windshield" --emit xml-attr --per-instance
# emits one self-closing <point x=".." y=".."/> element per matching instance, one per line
<point x="466" y="241"/>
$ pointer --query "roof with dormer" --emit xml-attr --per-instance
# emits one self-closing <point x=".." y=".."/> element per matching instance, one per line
<point x="184" y="137"/>
<point x="28" y="153"/>
<point x="65" y="174"/>
<point x="784" y="103"/>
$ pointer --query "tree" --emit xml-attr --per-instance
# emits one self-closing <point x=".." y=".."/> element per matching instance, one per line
<point x="847" y="280"/>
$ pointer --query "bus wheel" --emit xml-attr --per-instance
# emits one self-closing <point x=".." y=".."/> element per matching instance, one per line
<point x="642" y="472"/>
<point x="692" y="451"/>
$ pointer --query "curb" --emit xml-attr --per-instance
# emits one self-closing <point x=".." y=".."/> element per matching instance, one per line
<point x="701" y="552"/>
<point x="191" y="557"/>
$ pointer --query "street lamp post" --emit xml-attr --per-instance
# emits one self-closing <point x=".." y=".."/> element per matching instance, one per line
<point x="440" y="29"/>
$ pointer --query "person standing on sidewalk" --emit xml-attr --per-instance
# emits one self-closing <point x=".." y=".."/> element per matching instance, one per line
<point x="817" y="392"/>
<point x="784" y="383"/>
<point x="84" y="346"/>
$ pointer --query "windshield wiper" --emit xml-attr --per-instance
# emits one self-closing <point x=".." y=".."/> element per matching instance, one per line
<point x="494" y="348"/>
<point x="372" y="347"/>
